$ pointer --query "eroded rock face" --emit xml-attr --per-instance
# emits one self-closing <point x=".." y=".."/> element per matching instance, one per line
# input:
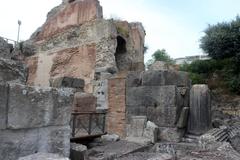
<point x="5" y="49"/>
<point x="73" y="13"/>
<point x="12" y="71"/>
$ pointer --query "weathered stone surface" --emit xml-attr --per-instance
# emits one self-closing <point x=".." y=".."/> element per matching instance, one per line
<point x="3" y="105"/>
<point x="161" y="65"/>
<point x="78" y="151"/>
<point x="116" y="122"/>
<point x="19" y="143"/>
<point x="134" y="79"/>
<point x="137" y="125"/>
<point x="110" y="137"/>
<point x="160" y="78"/>
<point x="183" y="119"/>
<point x="151" y="131"/>
<point x="170" y="134"/>
<point x="73" y="14"/>
<point x="49" y="106"/>
<point x="235" y="142"/>
<point x="200" y="110"/>
<point x="67" y="82"/>
<point x="4" y="49"/>
<point x="84" y="102"/>
<point x="101" y="92"/>
<point x="12" y="71"/>
<point x="43" y="156"/>
<point x="153" y="102"/>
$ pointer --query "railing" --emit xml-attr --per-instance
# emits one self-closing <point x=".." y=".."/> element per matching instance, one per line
<point x="87" y="124"/>
<point x="9" y="40"/>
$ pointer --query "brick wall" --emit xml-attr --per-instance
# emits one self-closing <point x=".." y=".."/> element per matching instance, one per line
<point x="117" y="106"/>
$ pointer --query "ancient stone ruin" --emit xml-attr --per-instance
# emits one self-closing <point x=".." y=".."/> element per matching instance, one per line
<point x="79" y="71"/>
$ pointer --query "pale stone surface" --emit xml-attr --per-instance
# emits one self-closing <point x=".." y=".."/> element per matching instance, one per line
<point x="137" y="125"/>
<point x="43" y="156"/>
<point x="49" y="106"/>
<point x="101" y="92"/>
<point x="200" y="110"/>
<point x="151" y="131"/>
<point x="110" y="137"/>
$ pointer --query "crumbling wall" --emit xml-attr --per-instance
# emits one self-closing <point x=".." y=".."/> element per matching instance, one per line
<point x="77" y="42"/>
<point x="34" y="119"/>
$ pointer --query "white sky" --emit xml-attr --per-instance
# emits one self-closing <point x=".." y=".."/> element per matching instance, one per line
<point x="176" y="25"/>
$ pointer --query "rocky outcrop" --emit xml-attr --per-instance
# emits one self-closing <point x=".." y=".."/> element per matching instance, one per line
<point x="34" y="120"/>
<point x="5" y="49"/>
<point x="70" y="14"/>
<point x="12" y="71"/>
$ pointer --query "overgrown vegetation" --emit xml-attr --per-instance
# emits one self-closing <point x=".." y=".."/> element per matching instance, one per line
<point x="160" y="55"/>
<point x="222" y="43"/>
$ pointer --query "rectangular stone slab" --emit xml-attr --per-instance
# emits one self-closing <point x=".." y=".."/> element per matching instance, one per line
<point x="151" y="96"/>
<point x="32" y="107"/>
<point x="160" y="78"/>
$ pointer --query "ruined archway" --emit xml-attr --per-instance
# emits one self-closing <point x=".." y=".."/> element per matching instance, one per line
<point x="120" y="54"/>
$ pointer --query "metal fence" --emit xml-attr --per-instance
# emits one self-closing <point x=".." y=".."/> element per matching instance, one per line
<point x="9" y="41"/>
<point x="87" y="124"/>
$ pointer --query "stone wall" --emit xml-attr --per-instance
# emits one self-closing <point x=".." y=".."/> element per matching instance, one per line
<point x="34" y="119"/>
<point x="161" y="96"/>
<point x="77" y="42"/>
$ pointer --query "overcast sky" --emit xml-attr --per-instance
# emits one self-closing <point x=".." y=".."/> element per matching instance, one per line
<point x="175" y="25"/>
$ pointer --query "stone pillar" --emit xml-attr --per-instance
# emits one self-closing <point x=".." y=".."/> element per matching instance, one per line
<point x="117" y="106"/>
<point x="200" y="110"/>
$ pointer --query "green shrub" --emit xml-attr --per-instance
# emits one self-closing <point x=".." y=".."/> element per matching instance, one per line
<point x="197" y="78"/>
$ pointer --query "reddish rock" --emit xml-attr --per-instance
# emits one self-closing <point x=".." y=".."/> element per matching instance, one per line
<point x="117" y="106"/>
<point x="72" y="14"/>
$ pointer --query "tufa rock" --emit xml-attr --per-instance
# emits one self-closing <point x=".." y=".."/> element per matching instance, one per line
<point x="110" y="137"/>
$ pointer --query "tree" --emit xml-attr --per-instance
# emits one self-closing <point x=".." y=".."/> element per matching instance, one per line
<point x="160" y="55"/>
<point x="222" y="40"/>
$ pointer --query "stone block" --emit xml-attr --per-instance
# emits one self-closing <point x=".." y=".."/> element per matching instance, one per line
<point x="134" y="79"/>
<point x="3" y="105"/>
<point x="137" y="126"/>
<point x="160" y="78"/>
<point x="19" y="143"/>
<point x="151" y="132"/>
<point x="84" y="102"/>
<point x="77" y="151"/>
<point x="43" y="156"/>
<point x="49" y="106"/>
<point x="200" y="110"/>
<point x="164" y="96"/>
<point x="54" y="140"/>
<point x="101" y="92"/>
<point x="170" y="134"/>
<point x="67" y="82"/>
